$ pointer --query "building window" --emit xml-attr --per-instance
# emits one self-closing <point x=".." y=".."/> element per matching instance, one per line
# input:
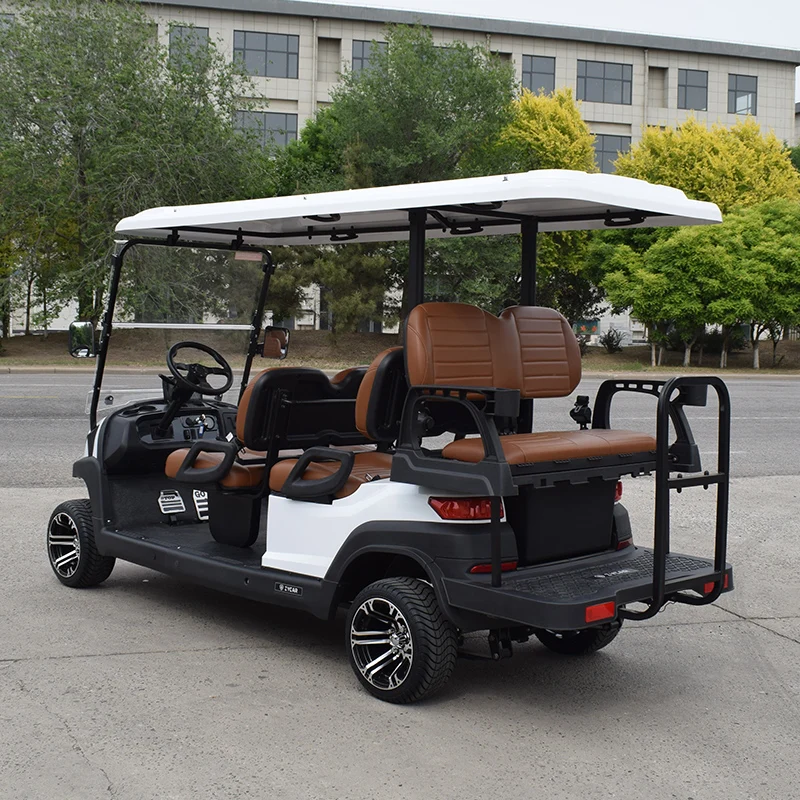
<point x="271" y="55"/>
<point x="603" y="82"/>
<point x="363" y="51"/>
<point x="269" y="127"/>
<point x="539" y="73"/>
<point x="607" y="148"/>
<point x="185" y="40"/>
<point x="693" y="89"/>
<point x="742" y="94"/>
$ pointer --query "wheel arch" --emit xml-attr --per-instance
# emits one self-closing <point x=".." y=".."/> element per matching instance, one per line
<point x="373" y="563"/>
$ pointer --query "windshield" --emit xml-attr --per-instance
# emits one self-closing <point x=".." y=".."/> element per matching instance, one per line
<point x="169" y="295"/>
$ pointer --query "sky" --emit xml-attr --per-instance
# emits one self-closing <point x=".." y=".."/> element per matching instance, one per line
<point x="768" y="22"/>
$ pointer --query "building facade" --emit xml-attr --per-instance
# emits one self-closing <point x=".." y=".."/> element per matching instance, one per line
<point x="296" y="50"/>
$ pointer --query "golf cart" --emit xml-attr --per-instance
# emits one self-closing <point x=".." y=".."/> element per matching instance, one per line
<point x="417" y="492"/>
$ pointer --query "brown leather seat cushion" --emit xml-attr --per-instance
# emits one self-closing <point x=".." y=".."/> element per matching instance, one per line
<point x="530" y="448"/>
<point x="366" y="467"/>
<point x="241" y="476"/>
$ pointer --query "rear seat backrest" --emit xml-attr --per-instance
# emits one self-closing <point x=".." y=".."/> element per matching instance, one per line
<point x="529" y="348"/>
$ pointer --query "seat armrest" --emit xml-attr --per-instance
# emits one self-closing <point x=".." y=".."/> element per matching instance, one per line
<point x="187" y="473"/>
<point x="684" y="453"/>
<point x="498" y="402"/>
<point x="295" y="488"/>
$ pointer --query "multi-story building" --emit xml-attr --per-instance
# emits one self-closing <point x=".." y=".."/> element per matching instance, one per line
<point x="626" y="81"/>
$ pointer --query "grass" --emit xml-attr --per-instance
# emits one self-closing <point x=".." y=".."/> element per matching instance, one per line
<point x="147" y="348"/>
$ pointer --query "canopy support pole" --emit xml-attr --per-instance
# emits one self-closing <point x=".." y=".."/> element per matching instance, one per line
<point x="268" y="268"/>
<point x="415" y="280"/>
<point x="529" y="228"/>
<point x="530" y="233"/>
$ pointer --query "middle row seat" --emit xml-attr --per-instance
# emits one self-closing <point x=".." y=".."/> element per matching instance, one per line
<point x="378" y="404"/>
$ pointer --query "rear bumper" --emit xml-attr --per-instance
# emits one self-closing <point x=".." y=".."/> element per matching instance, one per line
<point x="556" y="596"/>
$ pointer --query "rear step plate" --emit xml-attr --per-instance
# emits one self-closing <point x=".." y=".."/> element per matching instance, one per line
<point x="556" y="596"/>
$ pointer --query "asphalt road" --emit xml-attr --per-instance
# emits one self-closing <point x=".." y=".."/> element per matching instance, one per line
<point x="43" y="423"/>
<point x="147" y="687"/>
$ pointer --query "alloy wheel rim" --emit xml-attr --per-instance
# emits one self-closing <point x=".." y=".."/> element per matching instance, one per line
<point x="381" y="643"/>
<point x="64" y="545"/>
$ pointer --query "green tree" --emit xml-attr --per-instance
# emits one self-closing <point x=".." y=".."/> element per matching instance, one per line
<point x="98" y="122"/>
<point x="744" y="271"/>
<point x="420" y="111"/>
<point x="547" y="132"/>
<point x="732" y="167"/>
<point x="794" y="157"/>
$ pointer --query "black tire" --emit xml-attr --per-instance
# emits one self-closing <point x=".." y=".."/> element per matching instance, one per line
<point x="420" y="644"/>
<point x="579" y="643"/>
<point x="71" y="549"/>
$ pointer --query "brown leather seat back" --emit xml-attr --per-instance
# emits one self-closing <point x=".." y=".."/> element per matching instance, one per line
<point x="529" y="348"/>
<point x="379" y="404"/>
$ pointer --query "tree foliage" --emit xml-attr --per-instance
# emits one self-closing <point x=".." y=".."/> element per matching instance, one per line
<point x="794" y="157"/>
<point x="547" y="132"/>
<point x="98" y="122"/>
<point x="732" y="167"/>
<point x="745" y="271"/>
<point x="420" y="111"/>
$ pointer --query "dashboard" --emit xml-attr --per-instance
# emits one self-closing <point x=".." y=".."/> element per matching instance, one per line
<point x="132" y="443"/>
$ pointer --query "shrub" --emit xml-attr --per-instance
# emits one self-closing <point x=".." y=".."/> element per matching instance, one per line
<point x="612" y="340"/>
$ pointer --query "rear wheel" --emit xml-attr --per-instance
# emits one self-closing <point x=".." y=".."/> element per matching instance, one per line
<point x="71" y="547"/>
<point x="401" y="646"/>
<point x="579" y="643"/>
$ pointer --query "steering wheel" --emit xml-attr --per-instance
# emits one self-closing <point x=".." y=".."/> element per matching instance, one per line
<point x="195" y="378"/>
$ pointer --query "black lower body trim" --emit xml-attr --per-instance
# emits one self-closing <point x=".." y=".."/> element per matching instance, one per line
<point x="223" y="567"/>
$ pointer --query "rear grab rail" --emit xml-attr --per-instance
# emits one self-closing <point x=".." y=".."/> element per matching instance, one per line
<point x="691" y="389"/>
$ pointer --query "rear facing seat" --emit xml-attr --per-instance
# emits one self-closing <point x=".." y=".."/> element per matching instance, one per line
<point x="528" y="348"/>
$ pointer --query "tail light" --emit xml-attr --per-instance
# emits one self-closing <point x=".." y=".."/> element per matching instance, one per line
<point x="485" y="569"/>
<point x="618" y="492"/>
<point x="463" y="508"/>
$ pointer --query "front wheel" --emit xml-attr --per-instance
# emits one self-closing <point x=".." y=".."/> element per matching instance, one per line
<point x="579" y="643"/>
<point x="71" y="548"/>
<point x="401" y="646"/>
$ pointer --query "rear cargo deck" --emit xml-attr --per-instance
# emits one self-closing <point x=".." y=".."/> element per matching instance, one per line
<point x="556" y="596"/>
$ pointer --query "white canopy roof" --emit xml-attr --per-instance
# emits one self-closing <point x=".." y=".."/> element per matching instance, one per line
<point x="559" y="199"/>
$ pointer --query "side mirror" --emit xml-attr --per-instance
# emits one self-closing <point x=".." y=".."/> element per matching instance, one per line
<point x="81" y="340"/>
<point x="275" y="344"/>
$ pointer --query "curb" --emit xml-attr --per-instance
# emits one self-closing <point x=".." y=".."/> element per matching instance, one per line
<point x="632" y="375"/>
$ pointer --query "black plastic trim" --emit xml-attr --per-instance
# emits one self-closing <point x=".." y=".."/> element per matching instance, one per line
<point x="295" y="488"/>
<point x="189" y="474"/>
<point x="254" y="582"/>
